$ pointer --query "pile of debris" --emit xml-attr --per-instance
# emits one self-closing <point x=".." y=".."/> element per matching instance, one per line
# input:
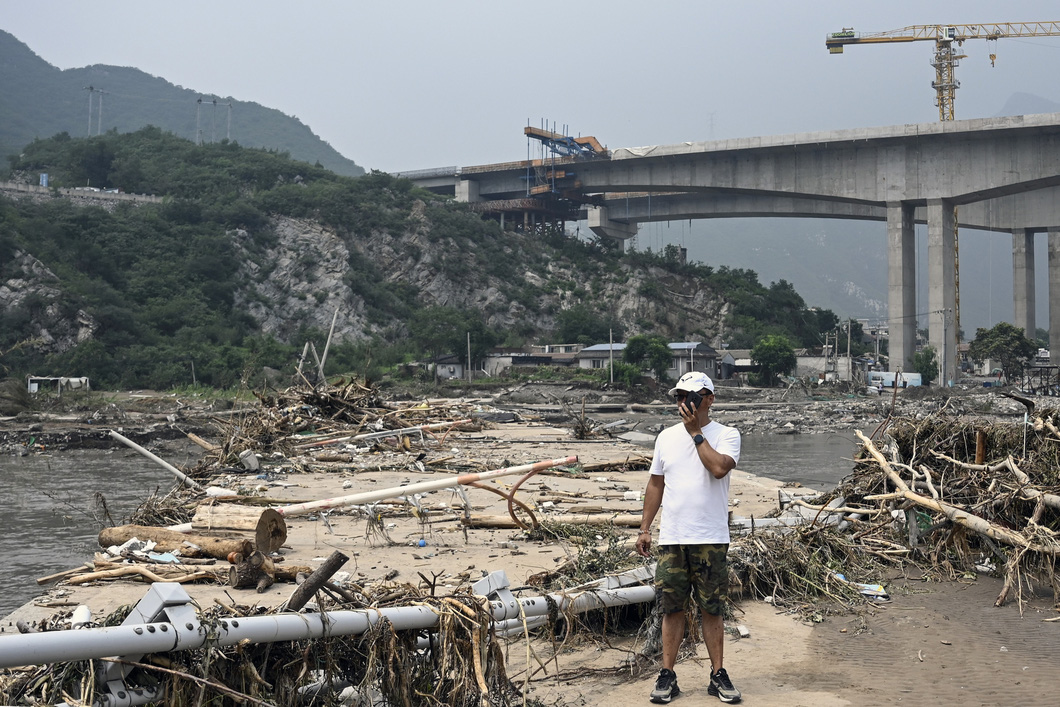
<point x="947" y="494"/>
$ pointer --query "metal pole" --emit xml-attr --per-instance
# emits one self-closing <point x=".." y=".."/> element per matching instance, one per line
<point x="184" y="478"/>
<point x="299" y="509"/>
<point x="161" y="637"/>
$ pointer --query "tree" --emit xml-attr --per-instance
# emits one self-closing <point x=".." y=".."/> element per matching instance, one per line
<point x="774" y="355"/>
<point x="926" y="363"/>
<point x="650" y="353"/>
<point x="1005" y="344"/>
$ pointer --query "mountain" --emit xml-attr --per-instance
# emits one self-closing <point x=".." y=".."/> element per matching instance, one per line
<point x="41" y="100"/>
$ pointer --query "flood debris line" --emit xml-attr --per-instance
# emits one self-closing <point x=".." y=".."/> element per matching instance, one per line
<point x="942" y="493"/>
<point x="375" y="646"/>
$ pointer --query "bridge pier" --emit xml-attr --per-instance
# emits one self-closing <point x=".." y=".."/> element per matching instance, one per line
<point x="600" y="224"/>
<point x="901" y="285"/>
<point x="942" y="298"/>
<point x="1054" y="296"/>
<point x="1023" y="280"/>
<point x="467" y="191"/>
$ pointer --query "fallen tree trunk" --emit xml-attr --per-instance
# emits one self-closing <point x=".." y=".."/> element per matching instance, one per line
<point x="168" y="540"/>
<point x="626" y="520"/>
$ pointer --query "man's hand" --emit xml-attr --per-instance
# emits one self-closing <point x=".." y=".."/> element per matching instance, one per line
<point x="644" y="544"/>
<point x="690" y="419"/>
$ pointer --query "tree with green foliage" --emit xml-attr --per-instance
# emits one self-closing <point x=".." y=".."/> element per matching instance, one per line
<point x="581" y="324"/>
<point x="926" y="363"/>
<point x="649" y="353"/>
<point x="1005" y="344"/>
<point x="445" y="330"/>
<point x="774" y="356"/>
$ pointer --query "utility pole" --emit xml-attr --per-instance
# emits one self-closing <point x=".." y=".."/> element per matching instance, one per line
<point x="850" y="367"/>
<point x="611" y="352"/>
<point x="469" y="357"/>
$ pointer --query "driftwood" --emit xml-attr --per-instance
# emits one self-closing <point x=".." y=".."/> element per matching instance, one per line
<point x="255" y="570"/>
<point x="627" y="520"/>
<point x="305" y="591"/>
<point x="268" y="526"/>
<point x="142" y="571"/>
<point x="64" y="574"/>
<point x="169" y="540"/>
<point x="956" y="514"/>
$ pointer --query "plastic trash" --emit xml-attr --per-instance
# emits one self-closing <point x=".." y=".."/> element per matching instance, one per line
<point x="81" y="616"/>
<point x="874" y="591"/>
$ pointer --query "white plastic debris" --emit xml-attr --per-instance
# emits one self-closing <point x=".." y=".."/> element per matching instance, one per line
<point x="249" y="460"/>
<point x="218" y="492"/>
<point x="82" y="615"/>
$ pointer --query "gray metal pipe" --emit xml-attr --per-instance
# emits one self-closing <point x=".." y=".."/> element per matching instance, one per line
<point x="160" y="637"/>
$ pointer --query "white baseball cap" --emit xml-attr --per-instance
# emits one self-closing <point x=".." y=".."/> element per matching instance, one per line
<point x="693" y="381"/>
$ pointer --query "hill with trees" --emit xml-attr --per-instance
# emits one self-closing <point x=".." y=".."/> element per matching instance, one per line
<point x="251" y="254"/>
<point x="40" y="100"/>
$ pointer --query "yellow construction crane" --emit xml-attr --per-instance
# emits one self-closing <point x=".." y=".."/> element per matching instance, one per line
<point x="946" y="38"/>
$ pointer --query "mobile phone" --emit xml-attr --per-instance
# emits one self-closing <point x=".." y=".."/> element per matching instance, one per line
<point x="693" y="400"/>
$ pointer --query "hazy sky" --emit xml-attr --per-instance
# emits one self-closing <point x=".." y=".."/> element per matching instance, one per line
<point x="409" y="85"/>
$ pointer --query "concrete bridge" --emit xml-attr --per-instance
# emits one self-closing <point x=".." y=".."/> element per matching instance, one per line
<point x="999" y="174"/>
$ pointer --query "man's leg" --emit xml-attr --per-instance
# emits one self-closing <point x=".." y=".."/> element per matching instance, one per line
<point x="673" y="632"/>
<point x="713" y="637"/>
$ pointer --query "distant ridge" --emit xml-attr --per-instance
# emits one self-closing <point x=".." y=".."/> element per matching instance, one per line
<point x="1027" y="104"/>
<point x="41" y="100"/>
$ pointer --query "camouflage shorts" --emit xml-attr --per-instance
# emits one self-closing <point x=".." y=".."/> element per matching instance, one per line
<point x="692" y="570"/>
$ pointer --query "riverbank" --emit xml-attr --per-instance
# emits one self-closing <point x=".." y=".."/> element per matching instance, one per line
<point x="786" y="659"/>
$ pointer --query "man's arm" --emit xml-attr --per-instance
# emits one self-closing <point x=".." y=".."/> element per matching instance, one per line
<point x="716" y="463"/>
<point x="652" y="502"/>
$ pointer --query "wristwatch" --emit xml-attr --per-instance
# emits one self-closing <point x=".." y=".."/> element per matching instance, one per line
<point x="698" y="440"/>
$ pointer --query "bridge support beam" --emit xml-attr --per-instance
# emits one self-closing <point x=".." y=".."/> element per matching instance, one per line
<point x="1023" y="279"/>
<point x="600" y="224"/>
<point x="1054" y="296"/>
<point x="901" y="286"/>
<point x="941" y="288"/>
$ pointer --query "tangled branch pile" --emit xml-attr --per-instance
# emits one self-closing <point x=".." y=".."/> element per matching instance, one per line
<point x="290" y="418"/>
<point x="949" y="495"/>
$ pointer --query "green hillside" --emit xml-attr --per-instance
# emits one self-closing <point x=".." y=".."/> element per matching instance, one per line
<point x="250" y="253"/>
<point x="41" y="100"/>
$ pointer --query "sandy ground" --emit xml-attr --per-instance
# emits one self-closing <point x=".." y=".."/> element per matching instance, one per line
<point x="932" y="644"/>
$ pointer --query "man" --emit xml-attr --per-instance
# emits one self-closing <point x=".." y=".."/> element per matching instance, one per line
<point x="690" y="481"/>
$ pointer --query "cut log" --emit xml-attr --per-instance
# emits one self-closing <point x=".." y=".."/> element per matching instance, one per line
<point x="268" y="526"/>
<point x="169" y="540"/>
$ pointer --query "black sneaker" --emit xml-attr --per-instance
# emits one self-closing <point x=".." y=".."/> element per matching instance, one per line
<point x="722" y="688"/>
<point x="665" y="687"/>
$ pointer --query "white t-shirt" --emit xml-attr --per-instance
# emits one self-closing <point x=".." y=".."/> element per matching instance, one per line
<point x="695" y="505"/>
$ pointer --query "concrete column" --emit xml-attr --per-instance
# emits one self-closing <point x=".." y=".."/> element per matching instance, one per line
<point x="901" y="286"/>
<point x="467" y="191"/>
<point x="1054" y="296"/>
<point x="941" y="291"/>
<point x="600" y="223"/>
<point x="1023" y="279"/>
